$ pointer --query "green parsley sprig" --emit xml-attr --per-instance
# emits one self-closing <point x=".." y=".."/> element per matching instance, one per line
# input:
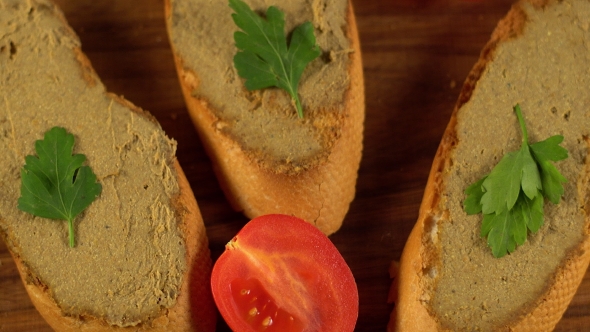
<point x="511" y="196"/>
<point x="55" y="185"/>
<point x="264" y="60"/>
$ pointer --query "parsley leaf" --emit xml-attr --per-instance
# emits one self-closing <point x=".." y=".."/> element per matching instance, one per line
<point x="55" y="185"/>
<point x="511" y="196"/>
<point x="474" y="193"/>
<point x="532" y="211"/>
<point x="264" y="60"/>
<point x="500" y="230"/>
<point x="544" y="152"/>
<point x="516" y="170"/>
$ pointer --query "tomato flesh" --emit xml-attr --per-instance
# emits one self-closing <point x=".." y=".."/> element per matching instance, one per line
<point x="259" y="309"/>
<point x="280" y="273"/>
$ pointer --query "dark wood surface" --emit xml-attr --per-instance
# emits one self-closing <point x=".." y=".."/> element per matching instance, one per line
<point x="416" y="55"/>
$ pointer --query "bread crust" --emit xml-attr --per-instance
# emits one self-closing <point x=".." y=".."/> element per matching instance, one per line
<point x="320" y="195"/>
<point x="194" y="309"/>
<point x="410" y="312"/>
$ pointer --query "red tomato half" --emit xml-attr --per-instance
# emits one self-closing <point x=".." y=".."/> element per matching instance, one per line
<point x="280" y="273"/>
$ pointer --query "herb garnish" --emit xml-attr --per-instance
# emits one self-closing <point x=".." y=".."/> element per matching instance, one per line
<point x="264" y="60"/>
<point x="511" y="196"/>
<point x="55" y="185"/>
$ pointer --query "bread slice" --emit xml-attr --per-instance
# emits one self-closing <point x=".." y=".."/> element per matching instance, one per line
<point x="141" y="259"/>
<point x="266" y="158"/>
<point x="448" y="279"/>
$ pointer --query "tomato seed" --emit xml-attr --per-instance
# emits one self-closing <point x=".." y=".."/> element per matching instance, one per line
<point x="259" y="310"/>
<point x="253" y="312"/>
<point x="267" y="322"/>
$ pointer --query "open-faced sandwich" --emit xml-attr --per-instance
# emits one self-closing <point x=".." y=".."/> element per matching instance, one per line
<point x="502" y="239"/>
<point x="278" y="101"/>
<point x="131" y="251"/>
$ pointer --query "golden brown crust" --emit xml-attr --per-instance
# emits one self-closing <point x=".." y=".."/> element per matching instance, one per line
<point x="410" y="312"/>
<point x="320" y="195"/>
<point x="194" y="309"/>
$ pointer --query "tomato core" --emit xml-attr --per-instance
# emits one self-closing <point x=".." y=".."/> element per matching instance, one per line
<point x="259" y="309"/>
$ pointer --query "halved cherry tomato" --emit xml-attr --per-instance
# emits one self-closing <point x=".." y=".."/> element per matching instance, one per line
<point x="280" y="273"/>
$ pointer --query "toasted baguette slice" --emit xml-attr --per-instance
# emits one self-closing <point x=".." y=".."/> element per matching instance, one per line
<point x="141" y="259"/>
<point x="448" y="279"/>
<point x="266" y="158"/>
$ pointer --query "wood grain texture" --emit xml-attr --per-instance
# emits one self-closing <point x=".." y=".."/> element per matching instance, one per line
<point x="416" y="55"/>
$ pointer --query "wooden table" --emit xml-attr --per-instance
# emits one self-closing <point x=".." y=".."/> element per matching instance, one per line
<point x="416" y="55"/>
